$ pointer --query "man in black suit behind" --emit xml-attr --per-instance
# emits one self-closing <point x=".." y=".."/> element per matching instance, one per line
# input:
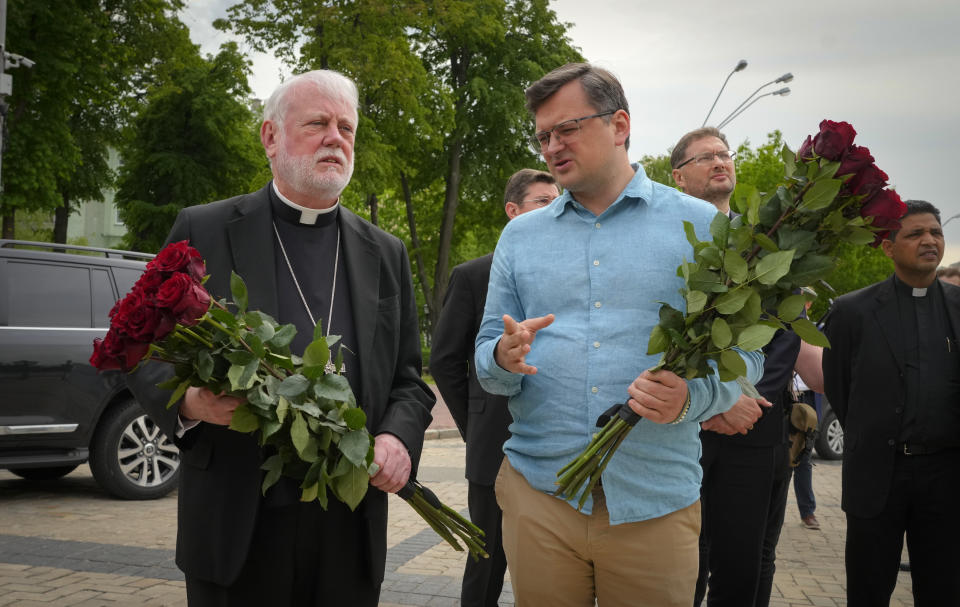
<point x="892" y="375"/>
<point x="482" y="418"/>
<point x="306" y="260"/>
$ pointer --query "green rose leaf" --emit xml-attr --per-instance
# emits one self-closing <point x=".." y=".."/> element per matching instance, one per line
<point x="308" y="494"/>
<point x="283" y="407"/>
<point x="299" y="433"/>
<point x="811" y="269"/>
<point x="265" y="332"/>
<point x="773" y="267"/>
<point x="720" y="229"/>
<point x="332" y="386"/>
<point x="754" y="338"/>
<point x="809" y="333"/>
<point x="352" y="486"/>
<point x="720" y="333"/>
<point x="659" y="341"/>
<point x="274" y="466"/>
<point x="731" y="361"/>
<point x="732" y="301"/>
<point x="691" y="234"/>
<point x="696" y="300"/>
<point x="735" y="267"/>
<point x="354" y="446"/>
<point x="244" y="419"/>
<point x="239" y="357"/>
<point x="355" y="418"/>
<point x="764" y="241"/>
<point x="242" y="377"/>
<point x="791" y="307"/>
<point x="789" y="161"/>
<point x="709" y="255"/>
<point x="239" y="291"/>
<point x="859" y="236"/>
<point x="293" y="386"/>
<point x="820" y="194"/>
<point x="268" y="429"/>
<point x="316" y="354"/>
<point x="178" y="392"/>
<point x="283" y="336"/>
<point x="204" y="365"/>
<point x="223" y="317"/>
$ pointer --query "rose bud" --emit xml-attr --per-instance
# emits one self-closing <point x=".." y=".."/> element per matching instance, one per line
<point x="106" y="352"/>
<point x="854" y="159"/>
<point x="833" y="139"/>
<point x="185" y="299"/>
<point x="867" y="182"/>
<point x="175" y="257"/>
<point x="886" y="209"/>
<point x="806" y="149"/>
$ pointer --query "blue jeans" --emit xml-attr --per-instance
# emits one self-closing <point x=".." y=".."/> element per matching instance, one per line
<point x="803" y="487"/>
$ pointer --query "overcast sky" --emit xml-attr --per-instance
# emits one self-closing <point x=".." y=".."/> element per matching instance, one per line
<point x="889" y="69"/>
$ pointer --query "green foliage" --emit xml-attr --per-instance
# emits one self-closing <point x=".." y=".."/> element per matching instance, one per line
<point x="194" y="140"/>
<point x="66" y="111"/>
<point x="857" y="267"/>
<point x="658" y="169"/>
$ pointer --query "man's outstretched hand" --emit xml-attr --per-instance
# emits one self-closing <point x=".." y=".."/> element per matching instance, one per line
<point x="514" y="344"/>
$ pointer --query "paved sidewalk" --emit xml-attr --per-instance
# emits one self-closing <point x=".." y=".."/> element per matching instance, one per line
<point x="66" y="543"/>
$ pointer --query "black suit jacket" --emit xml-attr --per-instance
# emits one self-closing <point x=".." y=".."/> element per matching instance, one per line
<point x="219" y="494"/>
<point x="481" y="417"/>
<point x="863" y="379"/>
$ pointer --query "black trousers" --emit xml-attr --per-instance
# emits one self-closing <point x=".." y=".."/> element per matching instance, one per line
<point x="923" y="503"/>
<point x="300" y="556"/>
<point x="483" y="579"/>
<point x="744" y="497"/>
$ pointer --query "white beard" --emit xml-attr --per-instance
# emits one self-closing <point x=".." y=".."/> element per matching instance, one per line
<point x="305" y="176"/>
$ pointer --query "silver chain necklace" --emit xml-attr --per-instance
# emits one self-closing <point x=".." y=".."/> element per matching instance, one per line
<point x="330" y="367"/>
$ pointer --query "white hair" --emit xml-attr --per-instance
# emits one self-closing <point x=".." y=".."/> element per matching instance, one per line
<point x="329" y="83"/>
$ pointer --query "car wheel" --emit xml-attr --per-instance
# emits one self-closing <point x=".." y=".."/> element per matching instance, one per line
<point x="43" y="474"/>
<point x="830" y="441"/>
<point x="131" y="457"/>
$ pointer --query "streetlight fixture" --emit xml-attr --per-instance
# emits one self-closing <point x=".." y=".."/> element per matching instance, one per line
<point x="741" y="65"/>
<point x="747" y="102"/>
<point x="948" y="219"/>
<point x="783" y="92"/>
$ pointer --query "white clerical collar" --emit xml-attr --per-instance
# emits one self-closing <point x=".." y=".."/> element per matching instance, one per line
<point x="919" y="292"/>
<point x="308" y="216"/>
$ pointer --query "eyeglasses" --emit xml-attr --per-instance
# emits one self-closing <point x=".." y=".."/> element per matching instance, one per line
<point x="540" y="201"/>
<point x="707" y="157"/>
<point x="565" y="131"/>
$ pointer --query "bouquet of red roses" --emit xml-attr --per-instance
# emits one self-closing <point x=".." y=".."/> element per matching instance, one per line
<point x="743" y="284"/>
<point x="300" y="405"/>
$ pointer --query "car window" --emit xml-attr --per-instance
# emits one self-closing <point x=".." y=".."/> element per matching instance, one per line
<point x="49" y="295"/>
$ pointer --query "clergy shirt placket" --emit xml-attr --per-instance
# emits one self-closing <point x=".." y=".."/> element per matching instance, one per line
<point x="330" y="366"/>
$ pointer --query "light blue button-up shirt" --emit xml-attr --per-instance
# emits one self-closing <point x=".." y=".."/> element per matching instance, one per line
<point x="603" y="277"/>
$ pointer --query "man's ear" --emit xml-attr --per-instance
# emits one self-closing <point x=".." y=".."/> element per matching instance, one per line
<point x="887" y="246"/>
<point x="677" y="178"/>
<point x="269" y="137"/>
<point x="512" y="209"/>
<point x="621" y="123"/>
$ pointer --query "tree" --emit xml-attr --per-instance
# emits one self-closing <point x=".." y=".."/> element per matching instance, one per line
<point x="195" y="140"/>
<point x="67" y="110"/>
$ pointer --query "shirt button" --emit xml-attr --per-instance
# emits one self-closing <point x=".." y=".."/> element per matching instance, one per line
<point x="596" y="344"/>
<point x="596" y="262"/>
<point x="597" y="304"/>
<point x="597" y="225"/>
<point x="594" y="389"/>
<point x="898" y="410"/>
<point x="891" y="442"/>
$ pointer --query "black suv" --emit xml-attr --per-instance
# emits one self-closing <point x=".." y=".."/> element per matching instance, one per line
<point x="56" y="411"/>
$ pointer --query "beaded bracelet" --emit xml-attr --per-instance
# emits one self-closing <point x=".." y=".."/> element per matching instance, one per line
<point x="683" y="412"/>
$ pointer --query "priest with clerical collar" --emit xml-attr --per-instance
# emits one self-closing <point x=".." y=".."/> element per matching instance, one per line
<point x="892" y="375"/>
<point x="308" y="261"/>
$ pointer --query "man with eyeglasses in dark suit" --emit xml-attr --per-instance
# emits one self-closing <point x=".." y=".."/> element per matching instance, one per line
<point x="746" y="471"/>
<point x="481" y="417"/>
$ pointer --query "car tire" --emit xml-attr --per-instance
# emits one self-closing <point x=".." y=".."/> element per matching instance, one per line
<point x="830" y="440"/>
<point x="43" y="474"/>
<point x="130" y="456"/>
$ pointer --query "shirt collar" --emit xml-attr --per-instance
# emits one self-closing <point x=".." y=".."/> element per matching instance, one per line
<point x="307" y="215"/>
<point x="639" y="188"/>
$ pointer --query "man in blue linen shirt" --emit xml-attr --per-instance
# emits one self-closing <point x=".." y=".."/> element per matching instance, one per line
<point x="583" y="278"/>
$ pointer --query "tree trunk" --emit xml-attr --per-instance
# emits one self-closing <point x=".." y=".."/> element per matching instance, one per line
<point x="60" y="217"/>
<point x="9" y="224"/>
<point x="372" y="203"/>
<point x="417" y="254"/>
<point x="451" y="200"/>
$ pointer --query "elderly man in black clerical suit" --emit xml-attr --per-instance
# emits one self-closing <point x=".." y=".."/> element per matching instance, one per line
<point x="482" y="418"/>
<point x="892" y="375"/>
<point x="306" y="260"/>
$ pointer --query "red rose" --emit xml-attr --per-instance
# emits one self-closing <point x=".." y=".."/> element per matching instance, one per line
<point x="833" y="139"/>
<point x="886" y="208"/>
<point x="179" y="257"/>
<point x="855" y="159"/>
<point x="121" y="312"/>
<point x="149" y="282"/>
<point x="115" y="352"/>
<point x="149" y="323"/>
<point x="867" y="182"/>
<point x="806" y="149"/>
<point x="183" y="297"/>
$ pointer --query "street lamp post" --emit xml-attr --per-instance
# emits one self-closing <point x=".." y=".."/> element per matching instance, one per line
<point x="752" y="97"/>
<point x="741" y="65"/>
<point x="782" y="92"/>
